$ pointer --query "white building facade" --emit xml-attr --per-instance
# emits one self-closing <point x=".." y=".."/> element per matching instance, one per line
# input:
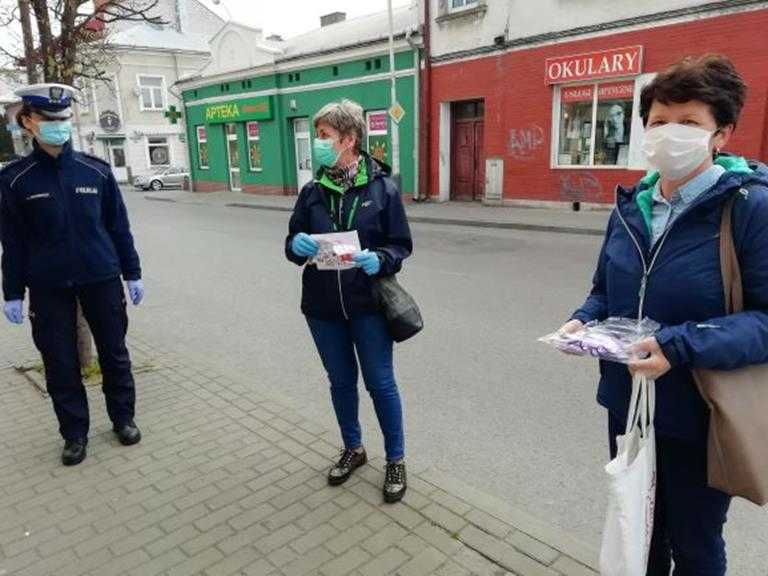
<point x="129" y="122"/>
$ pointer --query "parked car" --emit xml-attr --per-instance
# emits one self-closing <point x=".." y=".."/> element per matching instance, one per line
<point x="159" y="178"/>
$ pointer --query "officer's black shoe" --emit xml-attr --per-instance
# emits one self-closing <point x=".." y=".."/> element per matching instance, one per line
<point x="128" y="433"/>
<point x="349" y="461"/>
<point x="74" y="451"/>
<point x="395" y="483"/>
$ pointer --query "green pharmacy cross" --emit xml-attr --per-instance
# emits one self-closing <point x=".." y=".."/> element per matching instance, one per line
<point x="173" y="115"/>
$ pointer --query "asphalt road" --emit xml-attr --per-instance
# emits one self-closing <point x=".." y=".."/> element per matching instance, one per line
<point x="483" y="399"/>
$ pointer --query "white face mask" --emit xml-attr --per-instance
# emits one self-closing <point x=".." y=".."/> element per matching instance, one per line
<point x="676" y="150"/>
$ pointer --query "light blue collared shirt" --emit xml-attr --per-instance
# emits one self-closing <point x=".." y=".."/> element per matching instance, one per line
<point x="665" y="212"/>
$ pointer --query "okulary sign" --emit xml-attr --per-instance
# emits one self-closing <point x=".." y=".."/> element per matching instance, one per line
<point x="595" y="65"/>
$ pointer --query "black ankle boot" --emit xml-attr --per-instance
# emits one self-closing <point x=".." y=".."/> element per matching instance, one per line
<point x="128" y="433"/>
<point x="395" y="482"/>
<point x="348" y="463"/>
<point x="74" y="451"/>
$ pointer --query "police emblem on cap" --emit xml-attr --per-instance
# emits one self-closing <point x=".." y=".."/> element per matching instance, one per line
<point x="56" y="93"/>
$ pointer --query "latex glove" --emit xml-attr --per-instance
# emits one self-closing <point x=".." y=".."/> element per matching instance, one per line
<point x="653" y="363"/>
<point x="304" y="245"/>
<point x="135" y="291"/>
<point x="368" y="261"/>
<point x="14" y="311"/>
<point x="571" y="326"/>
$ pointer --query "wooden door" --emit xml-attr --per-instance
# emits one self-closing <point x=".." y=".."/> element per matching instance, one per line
<point x="463" y="161"/>
<point x="478" y="189"/>
<point x="467" y="150"/>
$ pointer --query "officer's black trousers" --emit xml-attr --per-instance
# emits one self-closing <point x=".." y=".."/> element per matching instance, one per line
<point x="53" y="312"/>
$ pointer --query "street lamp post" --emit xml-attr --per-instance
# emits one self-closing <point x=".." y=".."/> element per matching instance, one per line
<point x="393" y="97"/>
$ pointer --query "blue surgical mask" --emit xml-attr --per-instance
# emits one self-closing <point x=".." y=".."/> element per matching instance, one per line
<point x="325" y="152"/>
<point x="55" y="133"/>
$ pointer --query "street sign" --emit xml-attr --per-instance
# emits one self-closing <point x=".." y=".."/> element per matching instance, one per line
<point x="173" y="115"/>
<point x="397" y="112"/>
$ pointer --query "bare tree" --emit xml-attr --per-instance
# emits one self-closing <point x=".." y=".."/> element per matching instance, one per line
<point x="70" y="41"/>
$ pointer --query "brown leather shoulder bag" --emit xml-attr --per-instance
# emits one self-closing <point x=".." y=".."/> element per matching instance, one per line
<point x="737" y="400"/>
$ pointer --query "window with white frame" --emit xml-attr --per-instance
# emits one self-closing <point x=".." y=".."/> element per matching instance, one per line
<point x="458" y="5"/>
<point x="159" y="151"/>
<point x="151" y="92"/>
<point x="253" y="130"/>
<point x="202" y="148"/>
<point x="596" y="124"/>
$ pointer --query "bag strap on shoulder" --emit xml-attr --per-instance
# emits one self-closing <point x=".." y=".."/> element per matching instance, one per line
<point x="729" y="262"/>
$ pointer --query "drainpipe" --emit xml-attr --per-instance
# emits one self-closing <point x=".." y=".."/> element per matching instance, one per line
<point x="395" y="136"/>
<point x="425" y="124"/>
<point x="416" y="47"/>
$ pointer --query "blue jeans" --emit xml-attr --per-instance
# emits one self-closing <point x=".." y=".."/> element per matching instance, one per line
<point x="689" y="515"/>
<point x="337" y="341"/>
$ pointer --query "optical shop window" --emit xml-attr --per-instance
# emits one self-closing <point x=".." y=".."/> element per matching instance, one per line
<point x="598" y="125"/>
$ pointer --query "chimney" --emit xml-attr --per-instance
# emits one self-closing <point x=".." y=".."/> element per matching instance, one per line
<point x="332" y="18"/>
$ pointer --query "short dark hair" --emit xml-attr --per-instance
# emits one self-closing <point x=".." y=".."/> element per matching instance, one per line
<point x="711" y="79"/>
<point x="25" y="110"/>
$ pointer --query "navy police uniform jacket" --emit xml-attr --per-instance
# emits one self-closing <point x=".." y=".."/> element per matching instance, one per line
<point x="684" y="292"/>
<point x="381" y="224"/>
<point x="63" y="223"/>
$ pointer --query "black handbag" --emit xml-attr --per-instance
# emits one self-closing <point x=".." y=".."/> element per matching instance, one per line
<point x="400" y="309"/>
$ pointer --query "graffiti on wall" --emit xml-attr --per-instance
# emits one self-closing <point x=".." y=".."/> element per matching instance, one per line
<point x="580" y="187"/>
<point x="525" y="143"/>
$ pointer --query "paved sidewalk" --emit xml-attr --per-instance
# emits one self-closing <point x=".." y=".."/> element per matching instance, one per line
<point x="589" y="222"/>
<point x="230" y="480"/>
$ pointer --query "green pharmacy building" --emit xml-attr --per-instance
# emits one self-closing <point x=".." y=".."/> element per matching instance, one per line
<point x="249" y="112"/>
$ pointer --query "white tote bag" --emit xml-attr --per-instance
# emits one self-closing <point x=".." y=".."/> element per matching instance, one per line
<point x="632" y="489"/>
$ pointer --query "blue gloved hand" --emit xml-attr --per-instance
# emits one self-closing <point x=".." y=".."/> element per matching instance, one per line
<point x="304" y="245"/>
<point x="368" y="261"/>
<point x="14" y="311"/>
<point x="135" y="291"/>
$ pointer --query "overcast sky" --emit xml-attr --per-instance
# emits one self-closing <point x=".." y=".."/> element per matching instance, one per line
<point x="291" y="17"/>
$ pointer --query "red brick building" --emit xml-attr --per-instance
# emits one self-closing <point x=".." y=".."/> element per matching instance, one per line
<point x="554" y="117"/>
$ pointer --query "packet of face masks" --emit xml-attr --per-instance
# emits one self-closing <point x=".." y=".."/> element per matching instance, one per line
<point x="336" y="250"/>
<point x="612" y="339"/>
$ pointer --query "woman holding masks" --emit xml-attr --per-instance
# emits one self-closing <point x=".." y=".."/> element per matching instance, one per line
<point x="661" y="256"/>
<point x="353" y="191"/>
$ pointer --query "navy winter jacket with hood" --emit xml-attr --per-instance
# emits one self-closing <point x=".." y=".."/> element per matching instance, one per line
<point x="684" y="291"/>
<point x="381" y="224"/>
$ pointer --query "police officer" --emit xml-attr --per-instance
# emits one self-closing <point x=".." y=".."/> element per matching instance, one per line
<point x="66" y="238"/>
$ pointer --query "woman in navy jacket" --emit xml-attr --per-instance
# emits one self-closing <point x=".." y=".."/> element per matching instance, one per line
<point x="661" y="256"/>
<point x="353" y="191"/>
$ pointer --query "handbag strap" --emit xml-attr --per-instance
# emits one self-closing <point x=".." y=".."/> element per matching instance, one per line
<point x="729" y="262"/>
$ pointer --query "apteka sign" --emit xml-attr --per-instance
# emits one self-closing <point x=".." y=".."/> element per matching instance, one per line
<point x="595" y="65"/>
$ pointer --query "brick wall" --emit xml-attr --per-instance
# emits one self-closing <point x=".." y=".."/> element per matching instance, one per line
<point x="273" y="190"/>
<point x="516" y="97"/>
<point x="208" y="186"/>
